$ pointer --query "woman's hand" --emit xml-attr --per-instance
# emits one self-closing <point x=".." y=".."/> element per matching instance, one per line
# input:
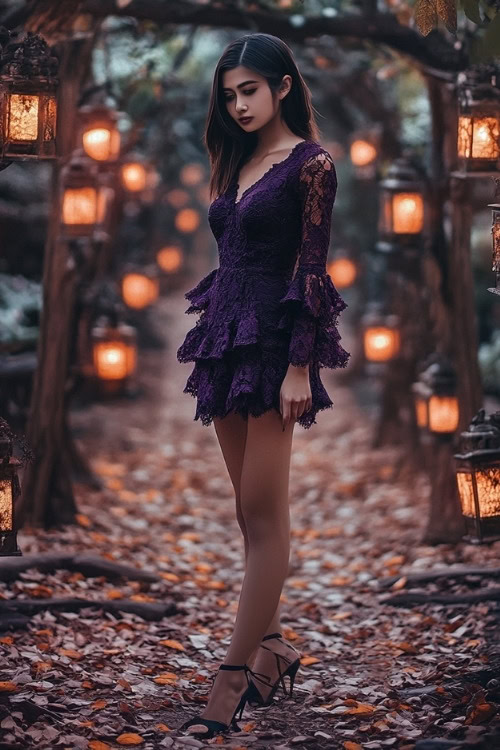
<point x="295" y="394"/>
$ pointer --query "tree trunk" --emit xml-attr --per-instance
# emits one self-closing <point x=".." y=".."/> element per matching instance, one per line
<point x="47" y="496"/>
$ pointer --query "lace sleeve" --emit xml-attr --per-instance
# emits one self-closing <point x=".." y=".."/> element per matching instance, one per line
<point x="312" y="304"/>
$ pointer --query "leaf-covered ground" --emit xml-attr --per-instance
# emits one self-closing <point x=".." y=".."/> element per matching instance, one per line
<point x="373" y="675"/>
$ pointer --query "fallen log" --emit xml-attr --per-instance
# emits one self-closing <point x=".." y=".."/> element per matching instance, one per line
<point x="432" y="575"/>
<point x="147" y="610"/>
<point x="89" y="565"/>
<point x="416" y="597"/>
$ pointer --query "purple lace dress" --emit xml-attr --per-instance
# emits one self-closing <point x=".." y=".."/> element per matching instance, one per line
<point x="270" y="302"/>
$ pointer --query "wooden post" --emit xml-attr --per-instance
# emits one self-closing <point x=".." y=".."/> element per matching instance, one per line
<point x="47" y="496"/>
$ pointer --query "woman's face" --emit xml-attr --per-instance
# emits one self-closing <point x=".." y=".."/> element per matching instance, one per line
<point x="248" y="94"/>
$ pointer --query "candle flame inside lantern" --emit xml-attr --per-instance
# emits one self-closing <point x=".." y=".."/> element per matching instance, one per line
<point x="381" y="343"/>
<point x="488" y="490"/>
<point x="443" y="413"/>
<point x="362" y="153"/>
<point x="478" y="137"/>
<point x="79" y="205"/>
<point x="5" y="505"/>
<point x="101" y="144"/>
<point x="408" y="213"/>
<point x="23" y="117"/>
<point x="114" y="360"/>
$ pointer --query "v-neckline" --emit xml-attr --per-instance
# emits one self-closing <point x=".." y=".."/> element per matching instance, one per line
<point x="276" y="164"/>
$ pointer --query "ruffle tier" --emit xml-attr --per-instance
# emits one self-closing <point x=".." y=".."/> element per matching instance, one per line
<point x="311" y="307"/>
<point x="212" y="340"/>
<point x="199" y="296"/>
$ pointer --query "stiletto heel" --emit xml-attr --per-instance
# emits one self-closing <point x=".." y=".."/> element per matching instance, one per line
<point x="254" y="697"/>
<point x="216" y="727"/>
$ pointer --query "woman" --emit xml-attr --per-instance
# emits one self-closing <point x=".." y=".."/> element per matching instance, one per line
<point x="267" y="324"/>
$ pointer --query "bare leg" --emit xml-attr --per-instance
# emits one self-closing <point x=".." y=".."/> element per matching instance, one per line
<point x="264" y="512"/>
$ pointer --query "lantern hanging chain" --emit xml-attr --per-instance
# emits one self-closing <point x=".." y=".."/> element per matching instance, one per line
<point x="497" y="188"/>
<point x="27" y="452"/>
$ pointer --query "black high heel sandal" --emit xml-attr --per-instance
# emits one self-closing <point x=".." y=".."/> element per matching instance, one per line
<point x="215" y="727"/>
<point x="254" y="697"/>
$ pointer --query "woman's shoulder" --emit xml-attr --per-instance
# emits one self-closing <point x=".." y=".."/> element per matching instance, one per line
<point x="314" y="163"/>
<point x="314" y="153"/>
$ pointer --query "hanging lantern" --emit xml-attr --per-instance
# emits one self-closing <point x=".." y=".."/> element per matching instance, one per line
<point x="169" y="258"/>
<point x="402" y="215"/>
<point x="381" y="336"/>
<point x="495" y="233"/>
<point x="137" y="175"/>
<point x="99" y="133"/>
<point x="10" y="490"/>
<point x="364" y="150"/>
<point x="187" y="220"/>
<point x="442" y="405"/>
<point x="140" y="288"/>
<point x="478" y="143"/>
<point x="80" y="207"/>
<point x="28" y="100"/>
<point x="192" y="174"/>
<point x="114" y="350"/>
<point x="343" y="271"/>
<point x="478" y="478"/>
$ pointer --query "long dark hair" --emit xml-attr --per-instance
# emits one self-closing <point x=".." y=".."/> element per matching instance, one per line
<point x="227" y="144"/>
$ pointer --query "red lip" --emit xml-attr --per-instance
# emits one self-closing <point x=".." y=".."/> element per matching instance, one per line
<point x="245" y="119"/>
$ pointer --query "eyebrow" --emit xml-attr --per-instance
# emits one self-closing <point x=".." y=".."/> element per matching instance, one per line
<point x="240" y="85"/>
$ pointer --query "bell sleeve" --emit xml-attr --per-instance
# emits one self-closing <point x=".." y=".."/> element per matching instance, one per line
<point x="312" y="304"/>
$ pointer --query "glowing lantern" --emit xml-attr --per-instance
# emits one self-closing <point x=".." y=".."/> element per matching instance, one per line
<point x="28" y="92"/>
<point x="401" y="218"/>
<point x="100" y="135"/>
<point x="192" y="174"/>
<point x="80" y="205"/>
<point x="169" y="258"/>
<point x="478" y="478"/>
<point x="187" y="220"/>
<point x="478" y="143"/>
<point x="495" y="234"/>
<point x="343" y="271"/>
<point x="362" y="153"/>
<point x="442" y="405"/>
<point x="114" y="351"/>
<point x="139" y="289"/>
<point x="134" y="176"/>
<point x="9" y="492"/>
<point x="381" y="336"/>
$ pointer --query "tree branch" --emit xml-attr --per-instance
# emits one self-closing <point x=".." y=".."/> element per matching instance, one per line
<point x="433" y="50"/>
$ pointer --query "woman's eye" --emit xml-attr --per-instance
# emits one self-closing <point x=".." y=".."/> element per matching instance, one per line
<point x="247" y="93"/>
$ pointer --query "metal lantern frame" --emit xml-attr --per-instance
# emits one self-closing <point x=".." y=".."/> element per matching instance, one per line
<point x="10" y="490"/>
<point x="82" y="173"/>
<point x="106" y="331"/>
<point x="478" y="106"/>
<point x="42" y="141"/>
<point x="440" y="381"/>
<point x="478" y="463"/>
<point x="402" y="179"/>
<point x="495" y="234"/>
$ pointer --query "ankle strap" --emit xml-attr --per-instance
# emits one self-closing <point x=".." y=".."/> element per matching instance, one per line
<point x="233" y="666"/>
<point x="273" y="635"/>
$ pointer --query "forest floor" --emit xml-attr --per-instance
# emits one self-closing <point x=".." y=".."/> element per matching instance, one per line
<point x="373" y="675"/>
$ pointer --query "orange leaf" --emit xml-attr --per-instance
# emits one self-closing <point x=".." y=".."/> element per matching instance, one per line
<point x="8" y="640"/>
<point x="166" y="678"/>
<point x="172" y="644"/>
<point x="8" y="687"/>
<point x="42" y="666"/>
<point x="129" y="738"/>
<point x="102" y="703"/>
<point x="306" y="660"/>
<point x="400" y="583"/>
<point x="163" y="728"/>
<point x="342" y="615"/>
<point x="70" y="653"/>
<point x="83" y="520"/>
<point x="170" y="577"/>
<point x="98" y="745"/>
<point x="41" y="592"/>
<point x="348" y="745"/>
<point x="124" y="683"/>
<point x="87" y="684"/>
<point x="361" y="708"/>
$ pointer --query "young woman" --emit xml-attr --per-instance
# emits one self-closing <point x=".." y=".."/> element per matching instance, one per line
<point x="267" y="324"/>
